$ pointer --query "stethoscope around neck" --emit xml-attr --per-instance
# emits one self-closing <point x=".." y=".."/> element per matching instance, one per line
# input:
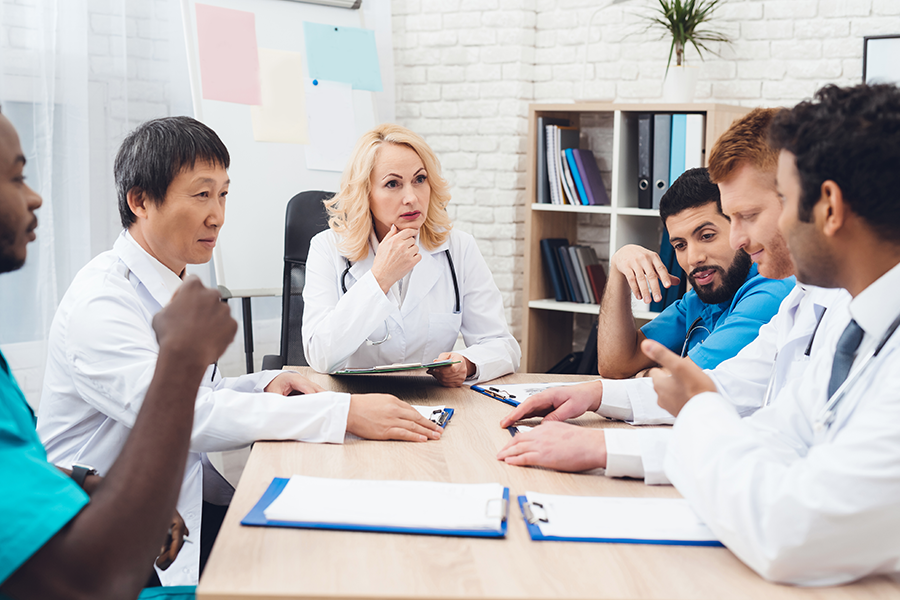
<point x="387" y="335"/>
<point x="827" y="416"/>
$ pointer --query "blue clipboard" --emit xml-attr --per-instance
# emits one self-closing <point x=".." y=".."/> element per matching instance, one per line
<point x="534" y="531"/>
<point x="257" y="518"/>
<point x="495" y="395"/>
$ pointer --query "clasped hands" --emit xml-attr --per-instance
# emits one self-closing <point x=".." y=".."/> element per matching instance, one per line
<point x="566" y="447"/>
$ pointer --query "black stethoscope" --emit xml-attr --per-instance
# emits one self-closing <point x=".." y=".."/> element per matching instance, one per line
<point x="826" y="418"/>
<point x="695" y="326"/>
<point x="452" y="275"/>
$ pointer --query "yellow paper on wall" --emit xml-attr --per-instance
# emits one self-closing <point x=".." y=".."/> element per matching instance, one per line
<point x="282" y="115"/>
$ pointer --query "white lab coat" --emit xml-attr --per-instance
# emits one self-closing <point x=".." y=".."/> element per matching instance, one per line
<point x="797" y="503"/>
<point x="101" y="357"/>
<point x="778" y="354"/>
<point x="336" y="326"/>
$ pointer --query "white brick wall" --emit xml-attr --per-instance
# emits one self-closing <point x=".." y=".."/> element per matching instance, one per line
<point x="467" y="69"/>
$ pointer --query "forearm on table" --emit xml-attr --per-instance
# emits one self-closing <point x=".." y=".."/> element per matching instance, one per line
<point x="618" y="340"/>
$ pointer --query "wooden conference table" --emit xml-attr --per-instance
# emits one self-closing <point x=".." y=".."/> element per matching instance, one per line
<point x="270" y="562"/>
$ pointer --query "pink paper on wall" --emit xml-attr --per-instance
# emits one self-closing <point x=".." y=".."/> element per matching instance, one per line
<point x="229" y="60"/>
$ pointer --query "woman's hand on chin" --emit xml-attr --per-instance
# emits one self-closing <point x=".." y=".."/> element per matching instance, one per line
<point x="397" y="254"/>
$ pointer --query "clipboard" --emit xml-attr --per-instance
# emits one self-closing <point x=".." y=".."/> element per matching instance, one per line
<point x="257" y="518"/>
<point x="496" y="394"/>
<point x="396" y="368"/>
<point x="440" y="416"/>
<point x="534" y="514"/>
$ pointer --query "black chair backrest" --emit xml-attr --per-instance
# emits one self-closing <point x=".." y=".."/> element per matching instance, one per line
<point x="305" y="217"/>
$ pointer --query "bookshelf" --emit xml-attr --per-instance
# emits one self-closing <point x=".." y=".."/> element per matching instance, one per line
<point x="610" y="131"/>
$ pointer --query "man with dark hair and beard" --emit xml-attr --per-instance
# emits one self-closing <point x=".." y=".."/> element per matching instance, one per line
<point x="728" y="303"/>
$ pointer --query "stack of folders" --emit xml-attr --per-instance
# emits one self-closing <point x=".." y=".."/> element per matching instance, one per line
<point x="668" y="145"/>
<point x="422" y="507"/>
<point x="566" y="174"/>
<point x="574" y="271"/>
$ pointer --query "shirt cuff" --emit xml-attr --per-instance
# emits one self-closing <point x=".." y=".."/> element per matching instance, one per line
<point x="623" y="454"/>
<point x="615" y="403"/>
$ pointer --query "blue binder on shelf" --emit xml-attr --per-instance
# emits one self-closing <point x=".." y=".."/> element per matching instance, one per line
<point x="534" y="515"/>
<point x="257" y="518"/>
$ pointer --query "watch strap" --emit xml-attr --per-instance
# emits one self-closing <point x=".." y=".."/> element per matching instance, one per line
<point x="80" y="473"/>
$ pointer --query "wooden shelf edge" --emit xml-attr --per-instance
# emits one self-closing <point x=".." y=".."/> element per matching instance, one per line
<point x="585" y="309"/>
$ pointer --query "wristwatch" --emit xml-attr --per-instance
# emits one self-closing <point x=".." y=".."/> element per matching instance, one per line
<point x="80" y="473"/>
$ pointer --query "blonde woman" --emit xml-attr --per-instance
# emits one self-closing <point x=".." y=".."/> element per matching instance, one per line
<point x="391" y="281"/>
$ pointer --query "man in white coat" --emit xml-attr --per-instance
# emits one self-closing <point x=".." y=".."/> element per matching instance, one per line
<point x="806" y="490"/>
<point x="743" y="165"/>
<point x="172" y="180"/>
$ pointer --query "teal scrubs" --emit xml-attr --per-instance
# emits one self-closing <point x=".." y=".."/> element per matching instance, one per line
<point x="712" y="333"/>
<point x="38" y="499"/>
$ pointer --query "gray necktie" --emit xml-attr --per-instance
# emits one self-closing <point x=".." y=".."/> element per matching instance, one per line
<point x="843" y="355"/>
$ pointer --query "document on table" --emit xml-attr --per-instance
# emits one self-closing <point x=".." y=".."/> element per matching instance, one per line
<point x="606" y="519"/>
<point x="404" y="506"/>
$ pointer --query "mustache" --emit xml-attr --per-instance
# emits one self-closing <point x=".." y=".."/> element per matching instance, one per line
<point x="718" y="269"/>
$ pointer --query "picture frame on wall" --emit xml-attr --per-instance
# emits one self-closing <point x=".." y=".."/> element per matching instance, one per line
<point x="880" y="64"/>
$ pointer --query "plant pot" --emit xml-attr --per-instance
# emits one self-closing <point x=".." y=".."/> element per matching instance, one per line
<point x="680" y="84"/>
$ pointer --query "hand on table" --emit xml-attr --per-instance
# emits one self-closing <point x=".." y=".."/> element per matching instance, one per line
<point x="397" y="254"/>
<point x="384" y="417"/>
<point x="288" y="382"/>
<point x="558" y="446"/>
<point x="175" y="540"/>
<point x="678" y="381"/>
<point x="640" y="266"/>
<point x="558" y="403"/>
<point x="453" y="375"/>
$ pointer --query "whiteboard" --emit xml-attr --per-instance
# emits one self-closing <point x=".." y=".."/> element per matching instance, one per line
<point x="248" y="258"/>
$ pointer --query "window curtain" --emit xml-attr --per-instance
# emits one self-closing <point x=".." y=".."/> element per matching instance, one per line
<point x="75" y="77"/>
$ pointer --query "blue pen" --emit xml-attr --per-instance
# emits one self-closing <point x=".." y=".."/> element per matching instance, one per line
<point x="496" y="394"/>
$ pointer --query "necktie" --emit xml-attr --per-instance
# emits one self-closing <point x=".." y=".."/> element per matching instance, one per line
<point x="843" y="355"/>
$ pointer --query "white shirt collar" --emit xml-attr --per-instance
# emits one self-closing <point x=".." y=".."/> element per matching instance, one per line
<point x="876" y="307"/>
<point x="159" y="279"/>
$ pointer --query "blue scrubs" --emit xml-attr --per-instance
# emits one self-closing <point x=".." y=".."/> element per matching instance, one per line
<point x="712" y="333"/>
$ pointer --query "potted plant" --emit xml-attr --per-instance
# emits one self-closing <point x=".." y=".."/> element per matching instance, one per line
<point x="687" y="22"/>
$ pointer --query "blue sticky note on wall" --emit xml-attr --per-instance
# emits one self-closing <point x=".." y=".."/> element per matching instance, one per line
<point x="344" y="54"/>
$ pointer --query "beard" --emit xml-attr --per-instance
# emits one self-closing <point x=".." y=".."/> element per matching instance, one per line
<point x="732" y="280"/>
<point x="9" y="258"/>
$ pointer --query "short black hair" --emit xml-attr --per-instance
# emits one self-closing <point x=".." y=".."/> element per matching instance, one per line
<point x="156" y="152"/>
<point x="691" y="190"/>
<point x="850" y="136"/>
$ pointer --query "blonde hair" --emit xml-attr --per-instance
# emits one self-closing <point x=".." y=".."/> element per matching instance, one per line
<point x="348" y="211"/>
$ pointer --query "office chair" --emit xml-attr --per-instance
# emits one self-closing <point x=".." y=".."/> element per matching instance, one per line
<point x="304" y="218"/>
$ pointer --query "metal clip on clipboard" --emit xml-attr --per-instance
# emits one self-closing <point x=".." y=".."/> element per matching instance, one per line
<point x="535" y="513"/>
<point x="503" y="503"/>
<point x="439" y="417"/>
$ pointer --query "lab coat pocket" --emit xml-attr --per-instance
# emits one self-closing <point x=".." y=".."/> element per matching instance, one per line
<point x="443" y="330"/>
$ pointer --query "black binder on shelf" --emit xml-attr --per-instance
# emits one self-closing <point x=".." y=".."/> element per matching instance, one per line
<point x="662" y="140"/>
<point x="543" y="181"/>
<point x="550" y="252"/>
<point x="569" y="272"/>
<point x="645" y="160"/>
<point x="580" y="274"/>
